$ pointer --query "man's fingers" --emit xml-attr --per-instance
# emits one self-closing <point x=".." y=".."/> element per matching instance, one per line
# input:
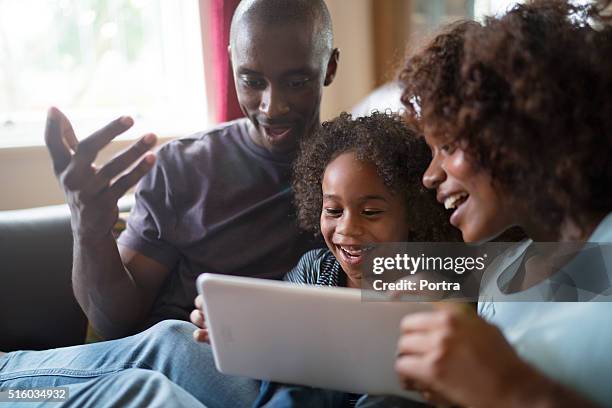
<point x="125" y="182"/>
<point x="88" y="148"/>
<point x="60" y="155"/>
<point x="126" y="158"/>
<point x="68" y="135"/>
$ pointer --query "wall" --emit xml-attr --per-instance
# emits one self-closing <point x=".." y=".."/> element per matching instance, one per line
<point x="27" y="179"/>
<point x="353" y="37"/>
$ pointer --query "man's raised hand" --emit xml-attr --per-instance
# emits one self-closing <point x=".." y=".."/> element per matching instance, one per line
<point x="92" y="192"/>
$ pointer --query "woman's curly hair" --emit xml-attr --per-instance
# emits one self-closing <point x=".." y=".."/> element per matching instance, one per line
<point x="400" y="156"/>
<point x="431" y="83"/>
<point x="530" y="96"/>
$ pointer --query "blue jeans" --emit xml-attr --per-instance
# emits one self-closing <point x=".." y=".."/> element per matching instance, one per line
<point x="275" y="395"/>
<point x="133" y="387"/>
<point x="160" y="367"/>
<point x="101" y="368"/>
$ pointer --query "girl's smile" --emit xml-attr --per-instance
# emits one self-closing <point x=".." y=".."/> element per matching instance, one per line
<point x="358" y="210"/>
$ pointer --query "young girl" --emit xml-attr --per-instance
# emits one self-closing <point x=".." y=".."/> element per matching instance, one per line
<point x="356" y="182"/>
<point x="517" y="114"/>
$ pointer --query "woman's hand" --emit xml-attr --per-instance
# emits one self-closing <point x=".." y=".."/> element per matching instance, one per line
<point x="456" y="356"/>
<point x="197" y="318"/>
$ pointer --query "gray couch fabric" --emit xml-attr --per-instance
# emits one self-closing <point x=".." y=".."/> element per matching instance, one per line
<point x="37" y="306"/>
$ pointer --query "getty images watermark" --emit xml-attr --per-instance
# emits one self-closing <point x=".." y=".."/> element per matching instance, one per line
<point x="497" y="271"/>
<point x="410" y="265"/>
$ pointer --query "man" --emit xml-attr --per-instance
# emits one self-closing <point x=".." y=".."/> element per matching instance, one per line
<point x="217" y="201"/>
<point x="213" y="202"/>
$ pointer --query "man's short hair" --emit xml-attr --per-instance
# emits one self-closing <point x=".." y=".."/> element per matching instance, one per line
<point x="280" y="12"/>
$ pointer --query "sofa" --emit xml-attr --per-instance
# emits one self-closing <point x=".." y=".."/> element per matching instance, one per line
<point x="38" y="309"/>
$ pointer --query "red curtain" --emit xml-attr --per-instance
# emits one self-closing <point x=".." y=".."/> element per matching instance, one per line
<point x="225" y="100"/>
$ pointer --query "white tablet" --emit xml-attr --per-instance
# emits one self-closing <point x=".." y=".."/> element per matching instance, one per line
<point x="301" y="334"/>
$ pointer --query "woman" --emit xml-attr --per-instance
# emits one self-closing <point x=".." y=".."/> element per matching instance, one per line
<point x="518" y="115"/>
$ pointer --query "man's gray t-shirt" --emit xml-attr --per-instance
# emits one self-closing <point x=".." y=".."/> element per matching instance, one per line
<point x="215" y="202"/>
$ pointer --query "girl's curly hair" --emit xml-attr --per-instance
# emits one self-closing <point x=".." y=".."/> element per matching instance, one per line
<point x="530" y="95"/>
<point x="400" y="156"/>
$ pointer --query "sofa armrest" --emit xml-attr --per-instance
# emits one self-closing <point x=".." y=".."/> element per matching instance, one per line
<point x="38" y="309"/>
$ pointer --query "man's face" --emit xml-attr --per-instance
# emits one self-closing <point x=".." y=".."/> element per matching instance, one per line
<point x="279" y="73"/>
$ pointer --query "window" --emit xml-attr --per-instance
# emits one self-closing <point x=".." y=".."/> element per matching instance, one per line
<point x="99" y="59"/>
<point x="428" y="15"/>
<point x="484" y="8"/>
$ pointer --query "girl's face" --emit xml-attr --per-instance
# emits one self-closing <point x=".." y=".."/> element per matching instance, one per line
<point x="358" y="209"/>
<point x="480" y="210"/>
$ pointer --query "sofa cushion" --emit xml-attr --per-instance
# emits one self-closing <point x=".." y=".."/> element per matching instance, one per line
<point x="38" y="309"/>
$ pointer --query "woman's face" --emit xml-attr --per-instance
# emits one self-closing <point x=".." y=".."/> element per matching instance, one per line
<point x="358" y="209"/>
<point x="479" y="210"/>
